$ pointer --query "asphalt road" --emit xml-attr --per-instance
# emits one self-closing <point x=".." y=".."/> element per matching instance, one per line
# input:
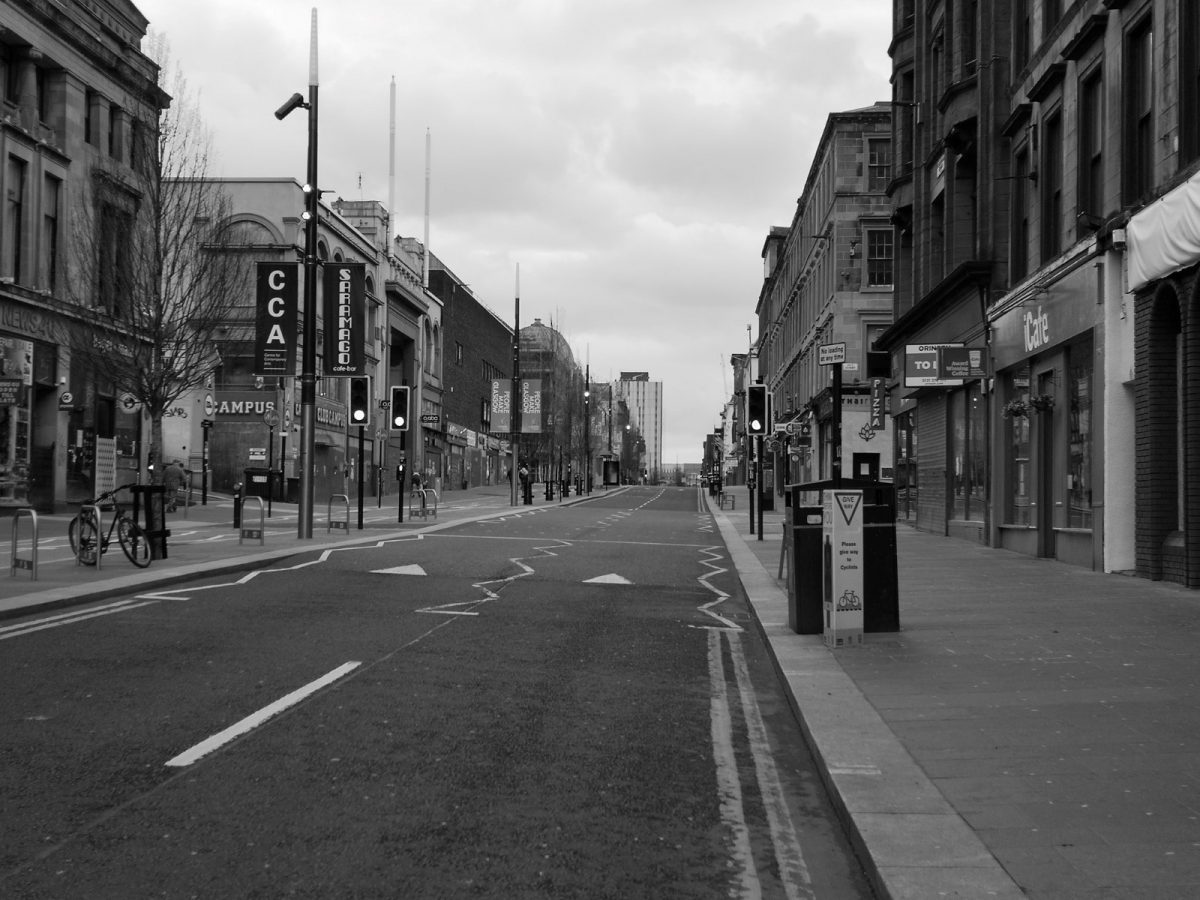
<point x="564" y="702"/>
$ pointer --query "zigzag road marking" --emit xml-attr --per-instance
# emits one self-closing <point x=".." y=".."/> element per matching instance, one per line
<point x="707" y="608"/>
<point x="495" y="594"/>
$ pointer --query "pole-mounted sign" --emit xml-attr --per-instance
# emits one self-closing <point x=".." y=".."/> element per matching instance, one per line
<point x="345" y="319"/>
<point x="277" y="297"/>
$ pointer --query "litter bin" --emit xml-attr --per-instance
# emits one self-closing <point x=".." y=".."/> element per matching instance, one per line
<point x="148" y="503"/>
<point x="257" y="483"/>
<point x="881" y="593"/>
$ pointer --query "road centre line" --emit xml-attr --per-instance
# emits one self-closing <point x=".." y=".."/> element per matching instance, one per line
<point x="252" y="721"/>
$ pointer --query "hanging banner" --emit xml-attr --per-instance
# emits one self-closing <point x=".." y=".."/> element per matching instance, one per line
<point x="531" y="406"/>
<point x="345" y="319"/>
<point x="277" y="314"/>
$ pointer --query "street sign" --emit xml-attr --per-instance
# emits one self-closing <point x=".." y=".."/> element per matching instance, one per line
<point x="430" y="419"/>
<point x="831" y="354"/>
<point x="271" y="418"/>
<point x="206" y="423"/>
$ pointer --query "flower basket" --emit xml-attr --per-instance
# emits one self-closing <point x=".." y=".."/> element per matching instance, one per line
<point x="1015" y="409"/>
<point x="1042" y="402"/>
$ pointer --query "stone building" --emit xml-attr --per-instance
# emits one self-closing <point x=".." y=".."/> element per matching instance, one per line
<point x="78" y="98"/>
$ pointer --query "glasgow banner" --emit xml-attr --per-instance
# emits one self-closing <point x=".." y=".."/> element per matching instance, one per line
<point x="531" y="406"/>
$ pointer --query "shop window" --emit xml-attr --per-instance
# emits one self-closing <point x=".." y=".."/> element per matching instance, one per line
<point x="967" y="452"/>
<point x="906" y="464"/>
<point x="1020" y="474"/>
<point x="1079" y="446"/>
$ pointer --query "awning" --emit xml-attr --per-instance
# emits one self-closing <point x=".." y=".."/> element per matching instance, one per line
<point x="1165" y="236"/>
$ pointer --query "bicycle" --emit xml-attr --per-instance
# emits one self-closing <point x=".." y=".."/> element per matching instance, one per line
<point x="131" y="536"/>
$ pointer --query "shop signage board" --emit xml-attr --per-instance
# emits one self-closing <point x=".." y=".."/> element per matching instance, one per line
<point x="961" y="362"/>
<point x="842" y="518"/>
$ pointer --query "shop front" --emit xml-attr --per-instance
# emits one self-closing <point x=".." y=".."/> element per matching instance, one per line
<point x="1045" y="343"/>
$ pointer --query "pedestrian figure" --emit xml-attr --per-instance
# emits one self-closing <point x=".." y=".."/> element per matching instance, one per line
<point x="173" y="479"/>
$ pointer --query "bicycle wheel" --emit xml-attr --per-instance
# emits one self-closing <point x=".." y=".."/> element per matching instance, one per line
<point x="82" y="535"/>
<point x="133" y="541"/>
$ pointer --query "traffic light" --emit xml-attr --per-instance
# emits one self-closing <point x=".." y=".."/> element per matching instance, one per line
<point x="757" y="417"/>
<point x="360" y="400"/>
<point x="399" y="409"/>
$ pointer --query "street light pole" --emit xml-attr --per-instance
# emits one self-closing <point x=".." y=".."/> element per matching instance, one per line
<point x="308" y="362"/>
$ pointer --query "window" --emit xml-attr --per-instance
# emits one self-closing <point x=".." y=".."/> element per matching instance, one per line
<point x="89" y="117"/>
<point x="879" y="163"/>
<point x="1189" y="81"/>
<point x="114" y="130"/>
<point x="51" y="191"/>
<point x="879" y="257"/>
<point x="1052" y="186"/>
<point x="14" y="218"/>
<point x="1051" y="14"/>
<point x="1022" y="33"/>
<point x="1019" y="252"/>
<point x="970" y="40"/>
<point x="1138" y="124"/>
<point x="1091" y="145"/>
<point x="115" y="266"/>
<point x="458" y="353"/>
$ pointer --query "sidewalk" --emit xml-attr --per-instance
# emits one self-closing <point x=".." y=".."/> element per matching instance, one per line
<point x="206" y="543"/>
<point x="1033" y="729"/>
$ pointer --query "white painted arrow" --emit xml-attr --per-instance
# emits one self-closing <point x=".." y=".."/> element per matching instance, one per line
<point x="608" y="579"/>
<point x="400" y="570"/>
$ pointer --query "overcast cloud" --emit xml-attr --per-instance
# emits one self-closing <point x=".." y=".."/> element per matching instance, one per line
<point x="630" y="155"/>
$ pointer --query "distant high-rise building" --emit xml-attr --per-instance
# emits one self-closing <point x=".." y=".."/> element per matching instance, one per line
<point x="643" y="398"/>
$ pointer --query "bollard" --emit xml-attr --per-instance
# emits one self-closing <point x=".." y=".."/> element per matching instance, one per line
<point x="252" y="533"/>
<point x="344" y="525"/>
<point x="18" y="562"/>
<point x="237" y="505"/>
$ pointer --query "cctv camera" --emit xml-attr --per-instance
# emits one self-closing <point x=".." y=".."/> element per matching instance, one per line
<point x="293" y="102"/>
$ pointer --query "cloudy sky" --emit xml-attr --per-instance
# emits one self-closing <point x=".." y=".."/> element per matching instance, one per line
<point x="630" y="155"/>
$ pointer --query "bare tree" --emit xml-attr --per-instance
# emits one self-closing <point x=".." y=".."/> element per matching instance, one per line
<point x="155" y="262"/>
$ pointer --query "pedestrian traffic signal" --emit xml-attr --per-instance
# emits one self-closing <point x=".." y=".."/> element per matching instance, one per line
<point x="360" y="400"/>
<point x="757" y="416"/>
<point x="399" y="410"/>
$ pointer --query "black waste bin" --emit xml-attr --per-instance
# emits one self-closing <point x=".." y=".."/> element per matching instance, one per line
<point x="257" y="483"/>
<point x="805" y="601"/>
<point x="149" y="501"/>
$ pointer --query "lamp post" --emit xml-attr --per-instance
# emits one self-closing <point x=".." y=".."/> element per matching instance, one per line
<point x="308" y="365"/>
<point x="587" y="428"/>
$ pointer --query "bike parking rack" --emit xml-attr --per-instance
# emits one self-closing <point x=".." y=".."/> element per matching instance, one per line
<point x="261" y="531"/>
<point x="30" y="563"/>
<point x="424" y="510"/>
<point x="344" y="525"/>
<point x="93" y="511"/>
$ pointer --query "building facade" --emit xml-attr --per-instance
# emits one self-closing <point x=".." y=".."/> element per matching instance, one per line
<point x="478" y="348"/>
<point x="77" y="98"/>
<point x="828" y="280"/>
<point x="1043" y="200"/>
<point x="644" y="400"/>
